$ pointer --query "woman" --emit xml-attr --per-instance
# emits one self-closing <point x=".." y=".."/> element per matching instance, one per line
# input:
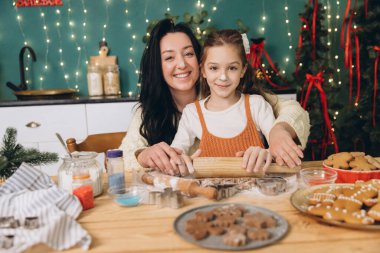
<point x="169" y="77"/>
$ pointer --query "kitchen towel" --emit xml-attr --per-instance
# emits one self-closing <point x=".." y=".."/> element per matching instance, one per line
<point x="34" y="210"/>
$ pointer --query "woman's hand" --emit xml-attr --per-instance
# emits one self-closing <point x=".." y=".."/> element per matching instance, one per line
<point x="186" y="167"/>
<point x="161" y="157"/>
<point x="255" y="158"/>
<point x="282" y="146"/>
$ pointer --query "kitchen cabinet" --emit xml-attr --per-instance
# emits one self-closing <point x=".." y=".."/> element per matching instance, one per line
<point x="36" y="125"/>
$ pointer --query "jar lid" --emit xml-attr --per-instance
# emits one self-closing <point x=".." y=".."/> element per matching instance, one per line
<point x="112" y="153"/>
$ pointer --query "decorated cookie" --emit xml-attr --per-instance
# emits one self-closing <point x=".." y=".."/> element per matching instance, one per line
<point x="374" y="212"/>
<point x="359" y="217"/>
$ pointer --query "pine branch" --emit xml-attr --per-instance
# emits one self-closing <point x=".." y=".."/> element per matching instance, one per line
<point x="12" y="155"/>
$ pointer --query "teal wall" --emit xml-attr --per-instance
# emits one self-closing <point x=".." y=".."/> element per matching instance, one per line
<point x="30" y="27"/>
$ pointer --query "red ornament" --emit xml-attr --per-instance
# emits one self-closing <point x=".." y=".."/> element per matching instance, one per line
<point x="31" y="3"/>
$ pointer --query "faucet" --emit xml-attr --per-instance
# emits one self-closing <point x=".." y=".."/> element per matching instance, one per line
<point x="22" y="86"/>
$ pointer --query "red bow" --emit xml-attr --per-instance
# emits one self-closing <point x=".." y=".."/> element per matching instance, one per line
<point x="377" y="49"/>
<point x="317" y="81"/>
<point x="256" y="51"/>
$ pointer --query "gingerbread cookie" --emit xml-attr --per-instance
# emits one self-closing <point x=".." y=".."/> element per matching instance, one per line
<point x="233" y="239"/>
<point x="373" y="161"/>
<point x="359" y="217"/>
<point x="374" y="212"/>
<point x="258" y="234"/>
<point x="339" y="160"/>
<point x="360" y="163"/>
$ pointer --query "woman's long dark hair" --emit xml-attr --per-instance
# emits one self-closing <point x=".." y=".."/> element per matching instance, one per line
<point x="160" y="115"/>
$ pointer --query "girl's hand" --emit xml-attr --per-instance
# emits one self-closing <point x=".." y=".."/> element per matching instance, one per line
<point x="255" y="158"/>
<point x="161" y="157"/>
<point x="186" y="167"/>
<point x="283" y="147"/>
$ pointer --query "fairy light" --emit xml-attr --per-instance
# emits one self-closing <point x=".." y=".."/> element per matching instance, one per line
<point x="287" y="25"/>
<point x="47" y="40"/>
<point x="263" y="18"/>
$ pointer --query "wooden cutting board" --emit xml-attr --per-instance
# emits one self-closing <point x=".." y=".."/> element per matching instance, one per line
<point x="231" y="167"/>
<point x="103" y="59"/>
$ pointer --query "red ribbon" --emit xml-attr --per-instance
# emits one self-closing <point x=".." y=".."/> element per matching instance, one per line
<point x="344" y="23"/>
<point x="256" y="51"/>
<point x="304" y="27"/>
<point x="365" y="8"/>
<point x="377" y="49"/>
<point x="314" y="28"/>
<point x="357" y="50"/>
<point x="317" y="81"/>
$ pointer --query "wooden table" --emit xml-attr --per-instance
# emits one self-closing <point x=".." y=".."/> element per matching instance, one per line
<point x="150" y="229"/>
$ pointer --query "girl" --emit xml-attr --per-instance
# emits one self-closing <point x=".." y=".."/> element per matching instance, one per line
<point x="229" y="122"/>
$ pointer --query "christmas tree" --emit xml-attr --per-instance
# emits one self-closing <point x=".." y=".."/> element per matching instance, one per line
<point x="13" y="154"/>
<point x="311" y="80"/>
<point x="358" y="122"/>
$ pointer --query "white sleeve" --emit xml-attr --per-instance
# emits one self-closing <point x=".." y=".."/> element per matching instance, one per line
<point x="264" y="117"/>
<point x="185" y="137"/>
<point x="132" y="142"/>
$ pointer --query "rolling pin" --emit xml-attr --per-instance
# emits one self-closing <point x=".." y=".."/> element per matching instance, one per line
<point x="186" y="186"/>
<point x="205" y="167"/>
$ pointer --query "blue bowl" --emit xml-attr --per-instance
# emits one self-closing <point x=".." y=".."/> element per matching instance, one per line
<point x="129" y="196"/>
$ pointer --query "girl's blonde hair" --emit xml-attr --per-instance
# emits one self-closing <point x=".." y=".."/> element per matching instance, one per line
<point x="232" y="38"/>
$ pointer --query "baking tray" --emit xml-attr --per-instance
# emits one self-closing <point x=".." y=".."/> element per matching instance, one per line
<point x="299" y="200"/>
<point x="216" y="242"/>
<point x="45" y="94"/>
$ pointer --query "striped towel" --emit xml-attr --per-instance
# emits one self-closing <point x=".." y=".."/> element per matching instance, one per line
<point x="31" y="195"/>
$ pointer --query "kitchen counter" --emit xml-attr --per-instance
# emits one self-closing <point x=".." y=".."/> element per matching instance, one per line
<point x="75" y="100"/>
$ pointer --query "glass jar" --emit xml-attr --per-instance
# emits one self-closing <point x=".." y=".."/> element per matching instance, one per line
<point x="81" y="161"/>
<point x="115" y="168"/>
<point x="111" y="80"/>
<point x="94" y="80"/>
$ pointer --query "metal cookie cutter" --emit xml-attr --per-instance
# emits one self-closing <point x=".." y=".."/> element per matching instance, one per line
<point x="271" y="185"/>
<point x="6" y="242"/>
<point x="31" y="223"/>
<point x="9" y="222"/>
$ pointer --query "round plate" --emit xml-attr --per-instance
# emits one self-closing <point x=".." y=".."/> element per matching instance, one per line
<point x="216" y="242"/>
<point x="299" y="200"/>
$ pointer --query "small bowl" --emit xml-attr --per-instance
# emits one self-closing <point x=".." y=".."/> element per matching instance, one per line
<point x="316" y="176"/>
<point x="351" y="176"/>
<point x="129" y="196"/>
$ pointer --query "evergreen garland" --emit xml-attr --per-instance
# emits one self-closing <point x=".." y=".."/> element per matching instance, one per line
<point x="354" y="123"/>
<point x="13" y="154"/>
<point x="309" y="65"/>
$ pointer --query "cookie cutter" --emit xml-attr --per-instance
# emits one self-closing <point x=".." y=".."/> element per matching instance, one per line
<point x="168" y="198"/>
<point x="9" y="222"/>
<point x="271" y="186"/>
<point x="6" y="242"/>
<point x="31" y="223"/>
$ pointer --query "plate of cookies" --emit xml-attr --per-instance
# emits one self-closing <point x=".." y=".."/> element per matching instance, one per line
<point x="353" y="166"/>
<point x="347" y="205"/>
<point x="231" y="226"/>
